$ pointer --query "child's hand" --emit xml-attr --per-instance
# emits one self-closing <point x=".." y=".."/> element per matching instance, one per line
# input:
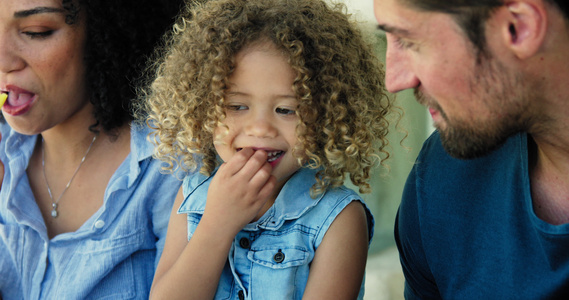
<point x="238" y="191"/>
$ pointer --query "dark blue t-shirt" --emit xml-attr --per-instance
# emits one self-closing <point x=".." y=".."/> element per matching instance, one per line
<point x="466" y="229"/>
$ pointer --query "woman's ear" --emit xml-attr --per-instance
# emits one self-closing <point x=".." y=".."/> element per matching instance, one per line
<point x="524" y="26"/>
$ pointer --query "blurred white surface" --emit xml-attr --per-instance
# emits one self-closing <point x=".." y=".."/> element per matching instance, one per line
<point x="384" y="278"/>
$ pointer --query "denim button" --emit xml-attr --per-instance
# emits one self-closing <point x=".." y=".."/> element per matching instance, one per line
<point x="244" y="243"/>
<point x="279" y="257"/>
<point x="99" y="224"/>
<point x="241" y="295"/>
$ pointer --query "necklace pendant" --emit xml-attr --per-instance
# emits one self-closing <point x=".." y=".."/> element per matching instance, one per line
<point x="54" y="212"/>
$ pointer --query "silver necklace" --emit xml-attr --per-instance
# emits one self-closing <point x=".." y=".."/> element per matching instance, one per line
<point x="54" y="212"/>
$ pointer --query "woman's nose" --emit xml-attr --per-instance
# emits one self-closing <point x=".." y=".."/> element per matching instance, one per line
<point x="10" y="58"/>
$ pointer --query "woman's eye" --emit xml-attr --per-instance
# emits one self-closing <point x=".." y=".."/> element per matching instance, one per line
<point x="285" y="111"/>
<point x="38" y="34"/>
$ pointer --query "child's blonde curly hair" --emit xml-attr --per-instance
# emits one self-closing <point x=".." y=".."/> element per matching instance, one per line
<point x="343" y="104"/>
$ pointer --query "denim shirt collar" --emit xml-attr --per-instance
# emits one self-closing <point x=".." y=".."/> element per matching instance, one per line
<point x="140" y="148"/>
<point x="292" y="202"/>
<point x="18" y="151"/>
<point x="20" y="148"/>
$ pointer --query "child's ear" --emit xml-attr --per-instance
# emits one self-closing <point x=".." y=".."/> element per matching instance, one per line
<point x="524" y="26"/>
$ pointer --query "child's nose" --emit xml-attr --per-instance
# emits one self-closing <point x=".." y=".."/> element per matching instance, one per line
<point x="261" y="126"/>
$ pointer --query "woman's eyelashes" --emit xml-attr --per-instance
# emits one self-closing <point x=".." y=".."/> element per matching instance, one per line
<point x="38" y="34"/>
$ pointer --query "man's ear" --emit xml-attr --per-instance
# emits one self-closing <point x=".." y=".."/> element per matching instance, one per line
<point x="524" y="26"/>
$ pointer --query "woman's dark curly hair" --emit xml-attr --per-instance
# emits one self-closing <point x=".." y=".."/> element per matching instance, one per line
<point x="120" y="37"/>
<point x="339" y="86"/>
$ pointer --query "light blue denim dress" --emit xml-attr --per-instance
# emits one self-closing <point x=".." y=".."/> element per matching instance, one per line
<point x="270" y="258"/>
<point x="112" y="256"/>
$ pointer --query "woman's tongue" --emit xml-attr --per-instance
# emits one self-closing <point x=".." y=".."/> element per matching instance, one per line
<point x="15" y="99"/>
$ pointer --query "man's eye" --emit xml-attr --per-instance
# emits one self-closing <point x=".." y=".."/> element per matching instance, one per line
<point x="403" y="44"/>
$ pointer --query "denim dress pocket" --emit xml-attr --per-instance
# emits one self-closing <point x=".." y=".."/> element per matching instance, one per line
<point x="279" y="271"/>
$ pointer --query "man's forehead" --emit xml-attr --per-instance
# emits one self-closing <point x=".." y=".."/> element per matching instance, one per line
<point x="394" y="17"/>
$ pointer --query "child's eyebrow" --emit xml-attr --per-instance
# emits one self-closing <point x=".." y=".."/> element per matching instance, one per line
<point x="238" y="93"/>
<point x="287" y="96"/>
<point x="37" y="10"/>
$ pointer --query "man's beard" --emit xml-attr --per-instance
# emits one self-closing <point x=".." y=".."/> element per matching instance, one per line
<point x="501" y="92"/>
<point x="464" y="142"/>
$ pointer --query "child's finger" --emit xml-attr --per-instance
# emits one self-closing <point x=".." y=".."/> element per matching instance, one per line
<point x="236" y="163"/>
<point x="268" y="187"/>
<point x="255" y="162"/>
<point x="261" y="176"/>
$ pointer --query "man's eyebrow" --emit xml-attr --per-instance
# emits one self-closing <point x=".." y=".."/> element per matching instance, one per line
<point x="37" y="10"/>
<point x="394" y="30"/>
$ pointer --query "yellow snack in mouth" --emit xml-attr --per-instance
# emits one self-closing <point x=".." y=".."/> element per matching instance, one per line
<point x="3" y="98"/>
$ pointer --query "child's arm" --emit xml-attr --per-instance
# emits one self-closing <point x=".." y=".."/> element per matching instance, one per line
<point x="339" y="262"/>
<point x="191" y="269"/>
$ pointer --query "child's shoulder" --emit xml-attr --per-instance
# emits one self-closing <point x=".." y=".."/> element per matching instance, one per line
<point x="296" y="196"/>
<point x="194" y="189"/>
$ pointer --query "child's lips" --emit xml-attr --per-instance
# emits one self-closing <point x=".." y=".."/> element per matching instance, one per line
<point x="272" y="155"/>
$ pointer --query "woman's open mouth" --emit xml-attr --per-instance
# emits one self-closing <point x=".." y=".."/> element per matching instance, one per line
<point x="18" y="103"/>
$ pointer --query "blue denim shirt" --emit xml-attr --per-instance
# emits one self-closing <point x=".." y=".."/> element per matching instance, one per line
<point x="112" y="256"/>
<point x="270" y="258"/>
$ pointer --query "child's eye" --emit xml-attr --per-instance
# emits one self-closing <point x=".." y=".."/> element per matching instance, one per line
<point x="285" y="111"/>
<point x="38" y="34"/>
<point x="235" y="107"/>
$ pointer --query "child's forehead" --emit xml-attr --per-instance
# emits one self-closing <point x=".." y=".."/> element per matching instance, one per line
<point x="262" y="44"/>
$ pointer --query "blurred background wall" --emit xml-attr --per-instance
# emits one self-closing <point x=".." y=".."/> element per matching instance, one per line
<point x="384" y="277"/>
<point x="387" y="185"/>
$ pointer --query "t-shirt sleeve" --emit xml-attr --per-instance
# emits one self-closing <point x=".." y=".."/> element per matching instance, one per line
<point x="419" y="281"/>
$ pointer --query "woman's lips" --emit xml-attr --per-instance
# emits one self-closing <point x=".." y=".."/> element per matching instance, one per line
<point x="18" y="102"/>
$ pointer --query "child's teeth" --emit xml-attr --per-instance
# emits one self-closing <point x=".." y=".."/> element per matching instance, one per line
<point x="272" y="156"/>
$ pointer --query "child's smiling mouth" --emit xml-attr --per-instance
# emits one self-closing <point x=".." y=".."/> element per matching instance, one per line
<point x="272" y="155"/>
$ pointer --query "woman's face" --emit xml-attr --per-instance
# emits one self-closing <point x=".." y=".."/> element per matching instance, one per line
<point x="41" y="64"/>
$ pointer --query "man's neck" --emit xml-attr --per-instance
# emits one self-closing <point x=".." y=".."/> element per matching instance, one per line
<point x="549" y="177"/>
